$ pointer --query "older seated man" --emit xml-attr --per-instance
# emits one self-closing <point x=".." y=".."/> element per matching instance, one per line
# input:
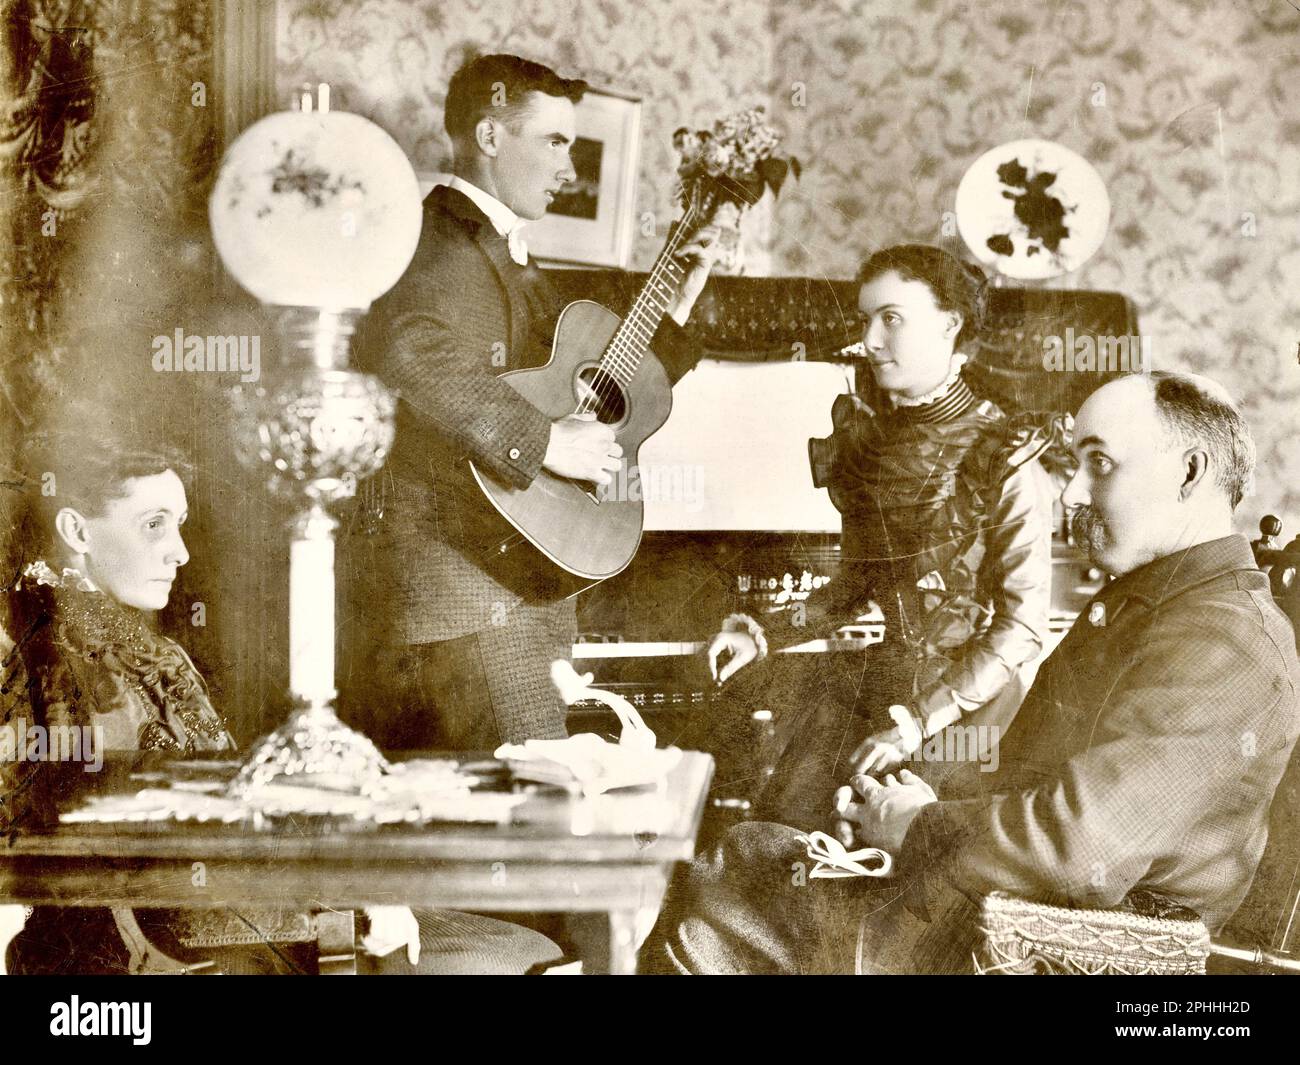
<point x="1145" y="756"/>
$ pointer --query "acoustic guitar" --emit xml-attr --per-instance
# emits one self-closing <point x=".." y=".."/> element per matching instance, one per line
<point x="604" y="365"/>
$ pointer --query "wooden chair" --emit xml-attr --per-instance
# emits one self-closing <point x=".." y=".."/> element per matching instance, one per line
<point x="1147" y="937"/>
<point x="331" y="933"/>
<point x="1265" y="931"/>
<point x="1281" y="564"/>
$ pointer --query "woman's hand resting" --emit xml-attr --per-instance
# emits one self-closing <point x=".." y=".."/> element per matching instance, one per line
<point x="741" y="648"/>
<point x="886" y="751"/>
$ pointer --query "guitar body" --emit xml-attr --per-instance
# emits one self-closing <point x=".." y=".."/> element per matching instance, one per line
<point x="592" y="535"/>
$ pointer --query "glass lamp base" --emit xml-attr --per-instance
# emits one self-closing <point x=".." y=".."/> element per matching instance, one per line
<point x="313" y="749"/>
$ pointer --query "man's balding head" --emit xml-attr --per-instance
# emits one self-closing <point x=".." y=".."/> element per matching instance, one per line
<point x="1199" y="412"/>
<point x="1164" y="458"/>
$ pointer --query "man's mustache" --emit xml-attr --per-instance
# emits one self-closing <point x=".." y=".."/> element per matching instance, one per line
<point x="1087" y="527"/>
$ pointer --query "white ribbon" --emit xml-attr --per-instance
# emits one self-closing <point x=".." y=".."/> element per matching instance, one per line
<point x="834" y="862"/>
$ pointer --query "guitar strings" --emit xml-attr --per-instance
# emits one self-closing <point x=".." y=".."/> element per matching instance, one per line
<point x="621" y="353"/>
<point x="621" y="349"/>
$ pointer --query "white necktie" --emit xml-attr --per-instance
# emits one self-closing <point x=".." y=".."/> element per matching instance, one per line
<point x="516" y="243"/>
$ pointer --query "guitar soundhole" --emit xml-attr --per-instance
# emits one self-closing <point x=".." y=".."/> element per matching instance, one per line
<point x="598" y="391"/>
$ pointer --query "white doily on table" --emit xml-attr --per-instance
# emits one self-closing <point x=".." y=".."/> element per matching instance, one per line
<point x="415" y="792"/>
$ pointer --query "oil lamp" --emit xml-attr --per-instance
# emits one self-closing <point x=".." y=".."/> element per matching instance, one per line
<point x="316" y="213"/>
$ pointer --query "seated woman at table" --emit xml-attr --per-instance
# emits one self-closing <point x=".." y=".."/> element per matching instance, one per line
<point x="947" y="521"/>
<point x="94" y="558"/>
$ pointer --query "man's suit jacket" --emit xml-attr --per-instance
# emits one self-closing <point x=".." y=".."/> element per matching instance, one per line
<point x="463" y="313"/>
<point x="1146" y="754"/>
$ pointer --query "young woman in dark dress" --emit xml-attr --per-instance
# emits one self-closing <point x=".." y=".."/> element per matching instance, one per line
<point x="946" y="525"/>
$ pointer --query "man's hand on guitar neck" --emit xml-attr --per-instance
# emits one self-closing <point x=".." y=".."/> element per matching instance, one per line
<point x="698" y="254"/>
<point x="582" y="449"/>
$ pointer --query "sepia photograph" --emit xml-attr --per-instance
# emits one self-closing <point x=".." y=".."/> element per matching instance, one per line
<point x="584" y="487"/>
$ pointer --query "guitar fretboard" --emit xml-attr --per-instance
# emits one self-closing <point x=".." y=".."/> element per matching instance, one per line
<point x="632" y="340"/>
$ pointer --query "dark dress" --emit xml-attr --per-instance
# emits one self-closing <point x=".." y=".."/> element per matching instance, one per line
<point x="83" y="660"/>
<point x="93" y="662"/>
<point x="947" y="526"/>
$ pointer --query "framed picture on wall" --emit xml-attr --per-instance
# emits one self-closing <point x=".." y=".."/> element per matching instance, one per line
<point x="591" y="221"/>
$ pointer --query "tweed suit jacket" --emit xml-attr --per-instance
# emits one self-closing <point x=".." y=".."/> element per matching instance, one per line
<point x="463" y="313"/>
<point x="1146" y="753"/>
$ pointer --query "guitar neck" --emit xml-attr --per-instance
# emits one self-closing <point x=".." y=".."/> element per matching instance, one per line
<point x="632" y="340"/>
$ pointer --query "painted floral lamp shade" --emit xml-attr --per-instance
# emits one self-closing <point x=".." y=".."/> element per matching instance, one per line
<point x="316" y="209"/>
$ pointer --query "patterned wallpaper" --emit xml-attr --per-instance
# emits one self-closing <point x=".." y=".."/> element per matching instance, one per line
<point x="391" y="61"/>
<point x="1189" y="109"/>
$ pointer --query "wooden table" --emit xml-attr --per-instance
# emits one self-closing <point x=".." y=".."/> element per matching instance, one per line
<point x="559" y="854"/>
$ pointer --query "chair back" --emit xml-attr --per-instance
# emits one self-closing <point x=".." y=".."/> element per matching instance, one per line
<point x="1282" y="564"/>
<point x="1147" y="937"/>
<point x="1269" y="917"/>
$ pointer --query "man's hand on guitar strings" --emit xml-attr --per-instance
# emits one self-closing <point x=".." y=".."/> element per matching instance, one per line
<point x="699" y="253"/>
<point x="583" y="449"/>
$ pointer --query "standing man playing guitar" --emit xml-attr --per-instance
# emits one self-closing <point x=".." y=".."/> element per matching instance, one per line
<point x="472" y="617"/>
